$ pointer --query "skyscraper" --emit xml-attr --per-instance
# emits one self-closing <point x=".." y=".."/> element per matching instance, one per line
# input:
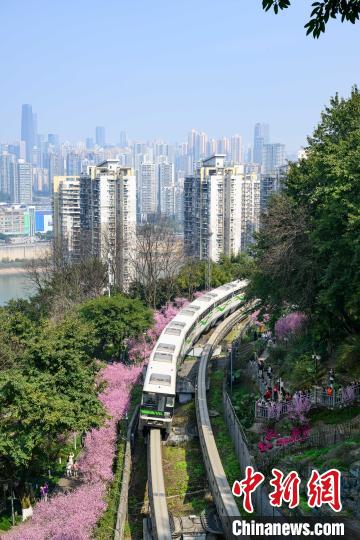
<point x="166" y="189"/>
<point x="123" y="139"/>
<point x="261" y="137"/>
<point x="23" y="182"/>
<point x="100" y="135"/>
<point x="221" y="209"/>
<point x="28" y="133"/>
<point x="108" y="217"/>
<point x="273" y="157"/>
<point x="66" y="215"/>
<point x="236" y="148"/>
<point x="7" y="176"/>
<point x="148" y="190"/>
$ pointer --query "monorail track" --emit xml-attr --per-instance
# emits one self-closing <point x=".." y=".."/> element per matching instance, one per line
<point x="220" y="489"/>
<point x="223" y="498"/>
<point x="159" y="512"/>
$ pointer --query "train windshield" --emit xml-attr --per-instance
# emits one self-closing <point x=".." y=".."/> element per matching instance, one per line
<point x="157" y="402"/>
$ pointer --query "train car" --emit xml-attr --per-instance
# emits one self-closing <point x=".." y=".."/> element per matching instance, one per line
<point x="174" y="343"/>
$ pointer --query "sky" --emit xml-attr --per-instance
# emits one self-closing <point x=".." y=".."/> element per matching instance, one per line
<point x="157" y="68"/>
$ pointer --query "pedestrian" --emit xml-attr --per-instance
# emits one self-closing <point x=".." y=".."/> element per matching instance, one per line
<point x="75" y="469"/>
<point x="269" y="372"/>
<point x="46" y="491"/>
<point x="68" y="468"/>
<point x="275" y="394"/>
<point x="331" y="377"/>
<point x="71" y="458"/>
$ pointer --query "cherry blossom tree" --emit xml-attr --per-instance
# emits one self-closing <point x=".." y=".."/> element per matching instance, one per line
<point x="73" y="516"/>
<point x="290" y="324"/>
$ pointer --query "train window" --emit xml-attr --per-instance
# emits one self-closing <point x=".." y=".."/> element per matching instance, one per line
<point x="188" y="312"/>
<point x="164" y="347"/>
<point x="191" y="306"/>
<point x="149" y="398"/>
<point x="178" y="324"/>
<point x="163" y="357"/>
<point x="173" y="331"/>
<point x="203" y="299"/>
<point x="160" y="378"/>
<point x="170" y="401"/>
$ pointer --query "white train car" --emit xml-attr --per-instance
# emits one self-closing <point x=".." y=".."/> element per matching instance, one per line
<point x="175" y="341"/>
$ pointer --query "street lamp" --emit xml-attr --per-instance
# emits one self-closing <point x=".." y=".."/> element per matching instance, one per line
<point x="316" y="359"/>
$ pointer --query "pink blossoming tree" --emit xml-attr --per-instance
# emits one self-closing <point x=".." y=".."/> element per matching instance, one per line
<point x="289" y="325"/>
<point x="73" y="516"/>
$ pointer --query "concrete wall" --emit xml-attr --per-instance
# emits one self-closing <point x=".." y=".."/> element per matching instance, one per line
<point x="35" y="250"/>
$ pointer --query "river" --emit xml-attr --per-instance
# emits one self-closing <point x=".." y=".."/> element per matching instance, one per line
<point x="13" y="285"/>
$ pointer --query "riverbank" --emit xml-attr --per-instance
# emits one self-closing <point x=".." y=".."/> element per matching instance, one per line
<point x="12" y="269"/>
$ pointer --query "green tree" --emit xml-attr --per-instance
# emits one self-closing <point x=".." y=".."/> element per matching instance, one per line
<point x="308" y="251"/>
<point x="115" y="319"/>
<point x="47" y="391"/>
<point x="322" y="11"/>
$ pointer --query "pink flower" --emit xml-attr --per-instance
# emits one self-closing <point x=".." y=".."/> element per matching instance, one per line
<point x="73" y="516"/>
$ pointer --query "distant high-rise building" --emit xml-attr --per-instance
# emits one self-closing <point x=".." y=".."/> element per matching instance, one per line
<point x="23" y="182"/>
<point x="273" y="157"/>
<point x="53" y="139"/>
<point x="261" y="137"/>
<point x="236" y="149"/>
<point x="166" y="189"/>
<point x="221" y="209"/>
<point x="28" y="130"/>
<point x="7" y="176"/>
<point x="89" y="142"/>
<point x="123" y="139"/>
<point x="100" y="135"/>
<point x="73" y="164"/>
<point x="148" y="190"/>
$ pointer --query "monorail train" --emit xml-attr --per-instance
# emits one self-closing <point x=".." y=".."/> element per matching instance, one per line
<point x="175" y="341"/>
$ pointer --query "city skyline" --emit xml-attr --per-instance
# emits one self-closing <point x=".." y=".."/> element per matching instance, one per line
<point x="154" y="76"/>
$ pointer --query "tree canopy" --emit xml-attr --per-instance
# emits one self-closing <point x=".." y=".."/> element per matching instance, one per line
<point x="115" y="319"/>
<point x="308" y="250"/>
<point x="347" y="10"/>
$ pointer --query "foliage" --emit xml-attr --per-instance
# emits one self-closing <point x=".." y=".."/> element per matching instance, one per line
<point x="299" y="407"/>
<point x="308" y="251"/>
<point x="61" y="283"/>
<point x="115" y="319"/>
<point x="290" y="324"/>
<point x="191" y="277"/>
<point x="348" y="10"/>
<point x="347" y="357"/>
<point x="75" y="515"/>
<point x="48" y="390"/>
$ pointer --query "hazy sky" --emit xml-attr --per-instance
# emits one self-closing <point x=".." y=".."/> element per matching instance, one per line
<point x="157" y="68"/>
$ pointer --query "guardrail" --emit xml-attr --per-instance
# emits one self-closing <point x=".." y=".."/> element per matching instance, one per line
<point x="318" y="398"/>
<point x="221" y="491"/>
<point x="126" y="474"/>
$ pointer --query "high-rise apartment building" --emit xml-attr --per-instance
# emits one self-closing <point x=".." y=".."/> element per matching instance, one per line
<point x="66" y="215"/>
<point x="261" y="137"/>
<point x="166" y="189"/>
<point x="23" y="182"/>
<point x="95" y="214"/>
<point x="7" y="176"/>
<point x="236" y="149"/>
<point x="108" y="217"/>
<point x="221" y="209"/>
<point x="28" y="130"/>
<point x="100" y="136"/>
<point x="273" y="157"/>
<point x="148" y="190"/>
